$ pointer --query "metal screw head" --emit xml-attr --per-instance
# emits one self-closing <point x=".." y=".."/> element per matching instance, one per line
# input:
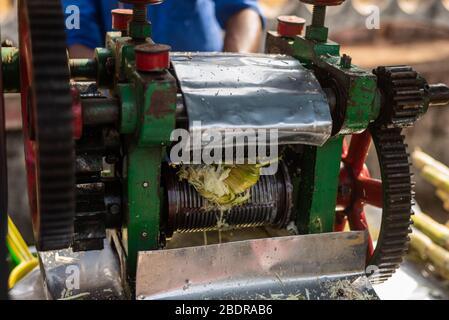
<point x="346" y="61"/>
<point x="144" y="234"/>
<point x="145" y="184"/>
<point x="114" y="208"/>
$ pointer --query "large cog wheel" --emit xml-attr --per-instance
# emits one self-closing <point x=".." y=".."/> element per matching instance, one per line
<point x="47" y="122"/>
<point x="397" y="189"/>
<point x="393" y="194"/>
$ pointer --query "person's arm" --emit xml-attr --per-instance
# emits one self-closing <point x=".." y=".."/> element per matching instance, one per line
<point x="81" y="42"/>
<point x="243" y="24"/>
<point x="79" y="51"/>
<point x="243" y="32"/>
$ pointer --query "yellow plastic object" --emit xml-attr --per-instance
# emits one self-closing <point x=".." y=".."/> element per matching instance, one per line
<point x="27" y="261"/>
<point x="16" y="242"/>
<point x="21" y="271"/>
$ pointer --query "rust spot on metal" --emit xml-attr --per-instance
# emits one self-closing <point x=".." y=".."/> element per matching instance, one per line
<point x="161" y="103"/>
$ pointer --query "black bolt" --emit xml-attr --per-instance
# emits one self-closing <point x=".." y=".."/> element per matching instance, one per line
<point x="140" y="13"/>
<point x="114" y="209"/>
<point x="346" y="61"/>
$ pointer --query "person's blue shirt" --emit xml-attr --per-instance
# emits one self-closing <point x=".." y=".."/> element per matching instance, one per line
<point x="185" y="25"/>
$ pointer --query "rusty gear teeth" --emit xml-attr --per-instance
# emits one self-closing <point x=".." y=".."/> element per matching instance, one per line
<point x="397" y="189"/>
<point x="402" y="96"/>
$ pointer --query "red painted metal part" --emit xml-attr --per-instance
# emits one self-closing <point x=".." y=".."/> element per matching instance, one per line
<point x="120" y="19"/>
<point x="340" y="221"/>
<point x="290" y="26"/>
<point x="152" y="57"/>
<point x="370" y="190"/>
<point x="77" y="113"/>
<point x="358" y="151"/>
<point x="28" y="116"/>
<point x="345" y="191"/>
<point x="357" y="222"/>
<point x="344" y="153"/>
<point x="357" y="188"/>
<point x="28" y="105"/>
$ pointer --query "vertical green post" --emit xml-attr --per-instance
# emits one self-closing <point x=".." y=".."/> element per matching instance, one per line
<point x="151" y="102"/>
<point x="143" y="190"/>
<point x="319" y="187"/>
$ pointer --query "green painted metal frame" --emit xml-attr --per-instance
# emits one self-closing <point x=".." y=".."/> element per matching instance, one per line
<point x="318" y="185"/>
<point x="143" y="201"/>
<point x="157" y="105"/>
<point x="144" y="160"/>
<point x="148" y="116"/>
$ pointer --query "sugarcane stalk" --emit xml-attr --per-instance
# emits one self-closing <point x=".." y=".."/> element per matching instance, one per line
<point x="439" y="233"/>
<point x="421" y="159"/>
<point x="432" y="170"/>
<point x="429" y="251"/>
<point x="435" y="177"/>
<point x="443" y="196"/>
<point x="446" y="206"/>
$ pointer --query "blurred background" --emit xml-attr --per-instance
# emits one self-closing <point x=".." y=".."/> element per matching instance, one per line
<point x="412" y="32"/>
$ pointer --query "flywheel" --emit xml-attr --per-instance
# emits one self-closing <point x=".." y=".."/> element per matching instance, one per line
<point x="393" y="194"/>
<point x="47" y="122"/>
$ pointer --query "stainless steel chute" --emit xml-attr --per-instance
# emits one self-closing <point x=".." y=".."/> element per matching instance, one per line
<point x="319" y="266"/>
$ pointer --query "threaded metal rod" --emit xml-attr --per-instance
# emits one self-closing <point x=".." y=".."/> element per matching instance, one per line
<point x="319" y="16"/>
<point x="140" y="13"/>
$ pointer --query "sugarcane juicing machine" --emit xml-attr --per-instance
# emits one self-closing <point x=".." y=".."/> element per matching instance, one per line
<point x="99" y="133"/>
